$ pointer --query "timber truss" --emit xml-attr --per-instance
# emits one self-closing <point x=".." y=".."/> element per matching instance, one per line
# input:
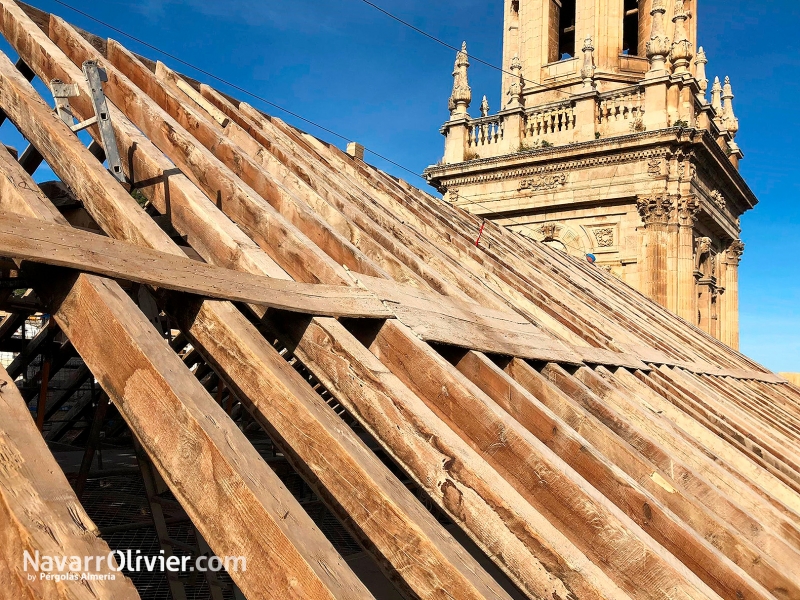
<point x="246" y="275"/>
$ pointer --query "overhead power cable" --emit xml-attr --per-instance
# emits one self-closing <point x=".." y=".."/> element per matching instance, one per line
<point x="232" y="85"/>
<point x="451" y="47"/>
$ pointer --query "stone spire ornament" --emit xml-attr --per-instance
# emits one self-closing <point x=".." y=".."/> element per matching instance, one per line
<point x="700" y="68"/>
<point x="716" y="97"/>
<point x="731" y="122"/>
<point x="658" y="47"/>
<point x="484" y="107"/>
<point x="515" y="88"/>
<point x="587" y="72"/>
<point x="681" y="53"/>
<point x="461" y="97"/>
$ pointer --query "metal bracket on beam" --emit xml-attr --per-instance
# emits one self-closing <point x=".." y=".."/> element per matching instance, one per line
<point x="62" y="92"/>
<point x="95" y="76"/>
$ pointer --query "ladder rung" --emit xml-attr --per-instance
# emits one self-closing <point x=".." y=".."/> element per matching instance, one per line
<point x="83" y="124"/>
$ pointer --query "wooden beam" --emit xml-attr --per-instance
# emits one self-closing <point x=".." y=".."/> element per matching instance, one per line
<point x="675" y="485"/>
<point x="451" y="321"/>
<point x="40" y="513"/>
<point x="434" y="549"/>
<point x="711" y="549"/>
<point x="586" y="517"/>
<point x="361" y="491"/>
<point x="518" y="538"/>
<point x="286" y="555"/>
<point x="58" y="245"/>
<point x="214" y="464"/>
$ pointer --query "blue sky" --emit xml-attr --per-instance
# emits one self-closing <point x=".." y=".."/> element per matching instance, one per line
<point x="346" y="66"/>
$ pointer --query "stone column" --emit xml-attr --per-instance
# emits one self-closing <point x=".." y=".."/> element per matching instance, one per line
<point x="730" y="309"/>
<point x="688" y="208"/>
<point x="655" y="212"/>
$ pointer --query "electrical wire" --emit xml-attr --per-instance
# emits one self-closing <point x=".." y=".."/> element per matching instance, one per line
<point x="232" y="85"/>
<point x="451" y="47"/>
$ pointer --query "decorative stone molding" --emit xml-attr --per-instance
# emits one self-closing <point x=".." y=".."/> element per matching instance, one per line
<point x="556" y="235"/>
<point x="604" y="237"/>
<point x="543" y="182"/>
<point x="517" y="84"/>
<point x="700" y="74"/>
<point x="654" y="209"/>
<point x="702" y="247"/>
<point x="718" y="199"/>
<point x="587" y="72"/>
<point x="461" y="97"/>
<point x="548" y="231"/>
<point x="569" y="165"/>
<point x="681" y="52"/>
<point x="688" y="208"/>
<point x="735" y="252"/>
<point x="654" y="166"/>
<point x="659" y="45"/>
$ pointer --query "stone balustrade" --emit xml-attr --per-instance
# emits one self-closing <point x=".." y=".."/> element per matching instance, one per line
<point x="554" y="124"/>
<point x="485" y="131"/>
<point x="621" y="111"/>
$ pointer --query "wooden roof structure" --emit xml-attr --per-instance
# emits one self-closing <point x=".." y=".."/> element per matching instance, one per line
<point x="590" y="443"/>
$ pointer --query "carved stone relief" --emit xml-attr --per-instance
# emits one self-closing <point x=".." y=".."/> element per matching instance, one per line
<point x="654" y="209"/>
<point x="718" y="199"/>
<point x="543" y="182"/>
<point x="604" y="237"/>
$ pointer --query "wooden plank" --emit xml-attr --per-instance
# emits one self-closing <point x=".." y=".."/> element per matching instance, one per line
<point x="688" y="495"/>
<point x="204" y="458"/>
<point x="412" y="547"/>
<point x="519" y="539"/>
<point x="39" y="512"/>
<point x="586" y="517"/>
<point x="58" y="245"/>
<point x="450" y="321"/>
<point x="709" y="548"/>
<point x="281" y="240"/>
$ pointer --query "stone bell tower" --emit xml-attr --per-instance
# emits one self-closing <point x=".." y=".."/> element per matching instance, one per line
<point x="606" y="144"/>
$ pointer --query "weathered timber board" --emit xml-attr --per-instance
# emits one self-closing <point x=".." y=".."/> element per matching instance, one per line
<point x="31" y="239"/>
